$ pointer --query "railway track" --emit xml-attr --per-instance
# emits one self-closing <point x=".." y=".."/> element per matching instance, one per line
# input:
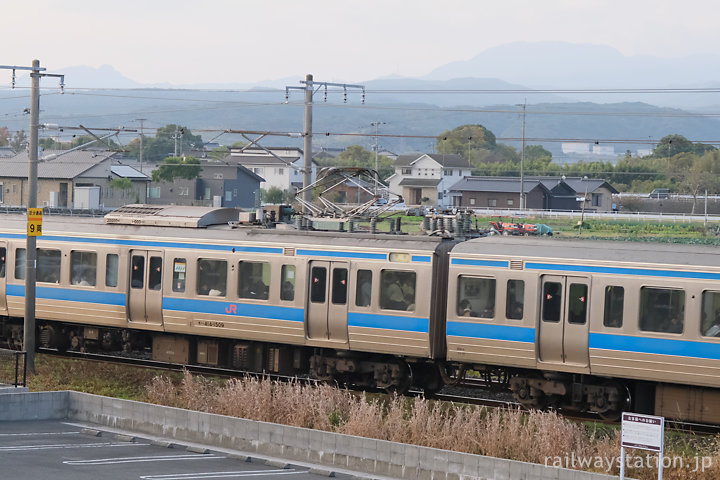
<point x="690" y="427"/>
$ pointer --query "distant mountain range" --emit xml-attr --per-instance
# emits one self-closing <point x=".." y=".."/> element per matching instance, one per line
<point x="485" y="89"/>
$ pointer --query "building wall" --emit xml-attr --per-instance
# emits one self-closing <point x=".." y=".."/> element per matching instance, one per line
<point x="535" y="200"/>
<point x="426" y="167"/>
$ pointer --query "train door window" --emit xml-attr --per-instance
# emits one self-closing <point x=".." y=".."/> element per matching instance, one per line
<point x="48" y="265"/>
<point x="211" y="277"/>
<point x="552" y="302"/>
<point x="710" y="321"/>
<point x="3" y="254"/>
<point x="287" y="282"/>
<point x="179" y="272"/>
<point x="662" y="310"/>
<point x="614" y="302"/>
<point x="577" y="309"/>
<point x="20" y="263"/>
<point x="318" y="284"/>
<point x="515" y="299"/>
<point x="155" y="273"/>
<point x="111" y="270"/>
<point x="476" y="297"/>
<point x="83" y="268"/>
<point x="137" y="275"/>
<point x="339" y="286"/>
<point x="364" y="288"/>
<point x="398" y="290"/>
<point x="254" y="280"/>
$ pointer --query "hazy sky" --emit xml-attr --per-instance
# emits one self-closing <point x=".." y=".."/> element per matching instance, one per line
<point x="224" y="41"/>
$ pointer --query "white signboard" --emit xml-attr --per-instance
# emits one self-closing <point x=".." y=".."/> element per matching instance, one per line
<point x="645" y="432"/>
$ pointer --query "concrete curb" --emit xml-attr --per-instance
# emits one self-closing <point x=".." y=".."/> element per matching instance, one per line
<point x="366" y="455"/>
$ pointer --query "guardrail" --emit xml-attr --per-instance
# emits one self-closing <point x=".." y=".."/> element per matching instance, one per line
<point x="13" y="366"/>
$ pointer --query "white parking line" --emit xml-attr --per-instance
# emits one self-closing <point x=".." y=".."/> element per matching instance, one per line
<point x="36" y="433"/>
<point x="163" y="458"/>
<point x="206" y="475"/>
<point x="19" y="448"/>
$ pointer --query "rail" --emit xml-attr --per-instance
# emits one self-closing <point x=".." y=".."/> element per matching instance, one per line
<point x="13" y="368"/>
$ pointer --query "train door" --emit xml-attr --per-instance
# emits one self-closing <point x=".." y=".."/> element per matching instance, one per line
<point x="327" y="301"/>
<point x="564" y="320"/>
<point x="145" y="293"/>
<point x="3" y="268"/>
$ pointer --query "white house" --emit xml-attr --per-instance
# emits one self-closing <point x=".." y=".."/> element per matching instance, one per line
<point x="427" y="175"/>
<point x="282" y="169"/>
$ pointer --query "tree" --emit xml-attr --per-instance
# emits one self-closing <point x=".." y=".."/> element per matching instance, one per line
<point x="464" y="138"/>
<point x="273" y="195"/>
<point x="357" y="156"/>
<point x="671" y="145"/>
<point x="4" y="136"/>
<point x="162" y="145"/>
<point x="534" y="153"/>
<point x="177" y="167"/>
<point x="19" y="141"/>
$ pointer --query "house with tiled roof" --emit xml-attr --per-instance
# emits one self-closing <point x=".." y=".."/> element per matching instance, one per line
<point x="60" y="173"/>
<point x="427" y="176"/>
<point x="280" y="167"/>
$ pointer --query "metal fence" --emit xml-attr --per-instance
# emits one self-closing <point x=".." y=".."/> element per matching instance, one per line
<point x="13" y="365"/>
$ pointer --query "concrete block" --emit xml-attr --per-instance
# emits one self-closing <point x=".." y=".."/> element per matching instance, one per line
<point x="502" y="469"/>
<point x="397" y="453"/>
<point x="277" y="464"/>
<point x="242" y="458"/>
<point x="163" y="443"/>
<point x="197" y="449"/>
<point x="91" y="432"/>
<point x="412" y="456"/>
<point x="322" y="472"/>
<point x="519" y="469"/>
<point x="124" y="438"/>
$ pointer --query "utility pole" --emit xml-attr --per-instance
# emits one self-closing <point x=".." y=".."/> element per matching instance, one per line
<point x="522" y="161"/>
<point x="141" y="120"/>
<point x="175" y="137"/>
<point x="31" y="245"/>
<point x="377" y="147"/>
<point x="310" y="91"/>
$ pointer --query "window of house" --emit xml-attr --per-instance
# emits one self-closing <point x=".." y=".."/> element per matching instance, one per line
<point x="111" y="270"/>
<point x="179" y="275"/>
<point x="287" y="282"/>
<point x="448" y="172"/>
<point x="184" y="191"/>
<point x="154" y="192"/>
<point x="492" y="202"/>
<point x="476" y="297"/>
<point x="211" y="277"/>
<point x="407" y="171"/>
<point x="281" y="171"/>
<point x="662" y="310"/>
<point x="364" y="288"/>
<point x="83" y="268"/>
<point x="20" y="263"/>
<point x="596" y="199"/>
<point x="254" y="280"/>
<point x="398" y="290"/>
<point x="515" y="299"/>
<point x="472" y="201"/>
<point x="48" y="265"/>
<point x="207" y="193"/>
<point x="614" y="303"/>
<point x="228" y="196"/>
<point x="510" y="202"/>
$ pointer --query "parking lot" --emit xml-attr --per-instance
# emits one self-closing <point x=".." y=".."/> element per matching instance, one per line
<point x="65" y="450"/>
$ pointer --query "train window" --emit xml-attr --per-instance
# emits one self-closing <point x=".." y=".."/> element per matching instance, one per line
<point x="155" y="273"/>
<point x="318" y="284"/>
<point x="364" y="288"/>
<point x="211" y="277"/>
<point x="662" y="310"/>
<point x="3" y="254"/>
<point x="254" y="280"/>
<point x="20" y="263"/>
<point x="48" y="265"/>
<point x="577" y="296"/>
<point x="515" y="299"/>
<point x="287" y="282"/>
<point x="83" y="268"/>
<point x="614" y="302"/>
<point x="552" y="301"/>
<point x="710" y="322"/>
<point x="476" y="297"/>
<point x="398" y="290"/>
<point x="339" y="286"/>
<point x="179" y="272"/>
<point x="111" y="270"/>
<point x="137" y="275"/>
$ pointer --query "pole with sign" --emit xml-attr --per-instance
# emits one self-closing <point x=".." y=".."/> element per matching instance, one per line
<point x="645" y="432"/>
<point x="34" y="224"/>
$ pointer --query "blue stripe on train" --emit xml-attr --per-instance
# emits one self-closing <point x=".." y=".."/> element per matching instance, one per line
<point x="640" y="272"/>
<point x="389" y="322"/>
<point x="491" y="332"/>
<point x="479" y="263"/>
<point x="657" y="346"/>
<point x="68" y="294"/>
<point x="224" y="307"/>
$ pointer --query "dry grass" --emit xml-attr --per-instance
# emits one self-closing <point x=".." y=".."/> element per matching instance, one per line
<point x="518" y="435"/>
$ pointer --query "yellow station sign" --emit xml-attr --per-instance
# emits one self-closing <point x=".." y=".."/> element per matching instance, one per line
<point x="34" y="224"/>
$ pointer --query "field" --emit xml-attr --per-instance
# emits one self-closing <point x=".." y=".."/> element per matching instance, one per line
<point x="538" y="437"/>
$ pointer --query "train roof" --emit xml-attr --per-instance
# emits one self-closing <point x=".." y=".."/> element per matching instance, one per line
<point x="581" y="249"/>
<point x="67" y="225"/>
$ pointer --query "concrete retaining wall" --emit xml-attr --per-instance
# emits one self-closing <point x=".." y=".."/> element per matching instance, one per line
<point x="375" y="457"/>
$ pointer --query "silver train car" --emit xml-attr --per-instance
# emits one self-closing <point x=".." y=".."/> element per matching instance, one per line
<point x="599" y="326"/>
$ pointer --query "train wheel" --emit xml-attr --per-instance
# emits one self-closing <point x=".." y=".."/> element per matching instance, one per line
<point x="427" y="377"/>
<point x="402" y="378"/>
<point x="616" y="403"/>
<point x="451" y="375"/>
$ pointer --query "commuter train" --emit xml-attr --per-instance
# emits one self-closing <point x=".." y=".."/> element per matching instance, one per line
<point x="598" y="326"/>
